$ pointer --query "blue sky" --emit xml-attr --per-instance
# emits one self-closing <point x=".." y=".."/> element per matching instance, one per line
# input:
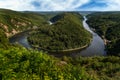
<point x="93" y="4"/>
<point x="61" y="5"/>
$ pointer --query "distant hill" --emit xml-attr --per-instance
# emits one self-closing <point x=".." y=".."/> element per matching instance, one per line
<point x="84" y="13"/>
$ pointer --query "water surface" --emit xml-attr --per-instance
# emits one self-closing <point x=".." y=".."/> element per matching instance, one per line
<point x="96" y="47"/>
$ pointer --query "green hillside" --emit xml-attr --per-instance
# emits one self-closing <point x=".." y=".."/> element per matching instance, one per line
<point x="22" y="64"/>
<point x="13" y="22"/>
<point x="107" y="25"/>
<point x="18" y="63"/>
<point x="67" y="32"/>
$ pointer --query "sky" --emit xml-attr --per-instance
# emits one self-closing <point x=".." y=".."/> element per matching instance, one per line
<point x="61" y="5"/>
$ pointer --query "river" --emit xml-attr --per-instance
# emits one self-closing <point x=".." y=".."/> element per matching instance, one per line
<point x="96" y="48"/>
<point x="20" y="38"/>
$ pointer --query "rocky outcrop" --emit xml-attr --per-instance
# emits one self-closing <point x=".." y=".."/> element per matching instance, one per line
<point x="7" y="32"/>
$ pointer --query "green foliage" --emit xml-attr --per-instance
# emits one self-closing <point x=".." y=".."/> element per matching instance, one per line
<point x="101" y="68"/>
<point x="18" y="63"/>
<point x="66" y="33"/>
<point x="3" y="40"/>
<point x="114" y="47"/>
<point x="107" y="25"/>
<point x="12" y="22"/>
<point x="19" y="21"/>
<point x="113" y="33"/>
<point x="22" y="64"/>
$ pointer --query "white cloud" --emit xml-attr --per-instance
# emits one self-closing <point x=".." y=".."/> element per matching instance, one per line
<point x="45" y="5"/>
<point x="16" y="4"/>
<point x="58" y="5"/>
<point x="111" y="5"/>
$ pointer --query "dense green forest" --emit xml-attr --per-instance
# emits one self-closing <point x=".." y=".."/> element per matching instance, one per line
<point x="22" y="64"/>
<point x="107" y="25"/>
<point x="67" y="32"/>
<point x="18" y="63"/>
<point x="12" y="22"/>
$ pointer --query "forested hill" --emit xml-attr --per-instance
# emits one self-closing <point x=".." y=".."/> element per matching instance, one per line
<point x="107" y="25"/>
<point x="18" y="63"/>
<point x="71" y="15"/>
<point x="66" y="32"/>
<point x="12" y="22"/>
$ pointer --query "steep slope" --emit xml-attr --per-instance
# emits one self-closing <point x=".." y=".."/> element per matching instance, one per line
<point x="12" y="22"/>
<point x="18" y="63"/>
<point x="66" y="33"/>
<point x="22" y="64"/>
<point x="107" y="25"/>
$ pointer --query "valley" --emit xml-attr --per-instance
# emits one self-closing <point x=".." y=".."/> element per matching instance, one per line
<point x="27" y="40"/>
<point x="106" y="24"/>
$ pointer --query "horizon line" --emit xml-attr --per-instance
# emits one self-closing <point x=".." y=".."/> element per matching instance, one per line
<point x="61" y="10"/>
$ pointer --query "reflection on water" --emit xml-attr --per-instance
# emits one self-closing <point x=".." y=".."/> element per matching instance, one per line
<point x="20" y="38"/>
<point x="96" y="48"/>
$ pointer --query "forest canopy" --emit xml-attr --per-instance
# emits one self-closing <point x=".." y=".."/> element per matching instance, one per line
<point x="107" y="25"/>
<point x="66" y="32"/>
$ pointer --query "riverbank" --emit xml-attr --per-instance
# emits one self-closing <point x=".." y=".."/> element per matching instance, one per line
<point x="96" y="46"/>
<point x="62" y="51"/>
<point x="105" y="40"/>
